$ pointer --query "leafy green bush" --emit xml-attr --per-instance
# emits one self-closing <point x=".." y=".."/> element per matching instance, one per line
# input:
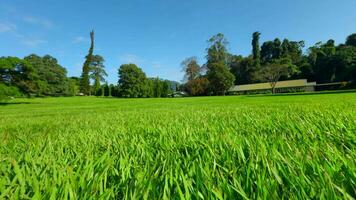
<point x="6" y="92"/>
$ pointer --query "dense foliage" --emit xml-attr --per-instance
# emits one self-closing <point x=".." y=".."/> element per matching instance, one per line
<point x="323" y="63"/>
<point x="133" y="83"/>
<point x="51" y="77"/>
<point x="274" y="147"/>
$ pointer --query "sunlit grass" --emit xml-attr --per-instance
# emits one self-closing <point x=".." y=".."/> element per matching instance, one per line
<point x="292" y="147"/>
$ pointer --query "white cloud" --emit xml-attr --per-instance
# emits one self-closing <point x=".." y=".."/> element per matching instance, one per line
<point x="38" y="21"/>
<point x="31" y="42"/>
<point x="81" y="39"/>
<point x="7" y="27"/>
<point x="131" y="58"/>
<point x="156" y="64"/>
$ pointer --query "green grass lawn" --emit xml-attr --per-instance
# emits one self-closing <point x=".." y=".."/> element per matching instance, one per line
<point x="233" y="147"/>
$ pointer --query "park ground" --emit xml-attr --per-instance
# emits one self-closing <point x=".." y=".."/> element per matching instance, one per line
<point x="269" y="147"/>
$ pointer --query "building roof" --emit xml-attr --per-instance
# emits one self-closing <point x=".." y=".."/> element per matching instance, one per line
<point x="266" y="86"/>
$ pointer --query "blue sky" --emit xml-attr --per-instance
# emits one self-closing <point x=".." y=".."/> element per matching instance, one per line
<point x="158" y="34"/>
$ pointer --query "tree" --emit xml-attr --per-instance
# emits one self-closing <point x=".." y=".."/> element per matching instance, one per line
<point x="98" y="73"/>
<point x="220" y="78"/>
<point x="165" y="88"/>
<point x="113" y="91"/>
<point x="19" y="73"/>
<point x="321" y="58"/>
<point x="217" y="51"/>
<point x="132" y="81"/>
<point x="292" y="50"/>
<point x="73" y="86"/>
<point x="7" y="92"/>
<point x="197" y="87"/>
<point x="105" y="90"/>
<point x="243" y="69"/>
<point x="52" y="77"/>
<point x="256" y="49"/>
<point x="218" y="74"/>
<point x="271" y="50"/>
<point x="85" y="81"/>
<point x="351" y="40"/>
<point x="157" y="87"/>
<point x="191" y="68"/>
<point x="273" y="71"/>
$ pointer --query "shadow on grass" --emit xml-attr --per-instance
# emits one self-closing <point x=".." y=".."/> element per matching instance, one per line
<point x="303" y="93"/>
<point x="13" y="103"/>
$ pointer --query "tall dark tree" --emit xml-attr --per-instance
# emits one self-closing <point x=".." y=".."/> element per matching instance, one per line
<point x="256" y="49"/>
<point x="218" y="74"/>
<point x="271" y="50"/>
<point x="351" y="40"/>
<point x="243" y="69"/>
<point x="320" y="57"/>
<point x="85" y="79"/>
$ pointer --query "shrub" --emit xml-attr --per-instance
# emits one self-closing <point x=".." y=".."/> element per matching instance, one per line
<point x="7" y="92"/>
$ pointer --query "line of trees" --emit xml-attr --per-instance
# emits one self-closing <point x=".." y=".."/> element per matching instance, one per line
<point x="272" y="61"/>
<point x="44" y="76"/>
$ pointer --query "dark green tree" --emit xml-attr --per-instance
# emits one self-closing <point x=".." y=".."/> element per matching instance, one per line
<point x="52" y="77"/>
<point x="73" y="86"/>
<point x="256" y="49"/>
<point x="351" y="40"/>
<point x="19" y="73"/>
<point x="271" y="50"/>
<point x="85" y="79"/>
<point x="98" y="73"/>
<point x="132" y="81"/>
<point x="218" y="74"/>
<point x="320" y="57"/>
<point x="165" y="88"/>
<point x="243" y="69"/>
<point x="8" y="92"/>
<point x="157" y="87"/>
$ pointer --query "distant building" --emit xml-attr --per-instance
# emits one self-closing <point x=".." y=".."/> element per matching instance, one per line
<point x="300" y="85"/>
<point x="178" y="94"/>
